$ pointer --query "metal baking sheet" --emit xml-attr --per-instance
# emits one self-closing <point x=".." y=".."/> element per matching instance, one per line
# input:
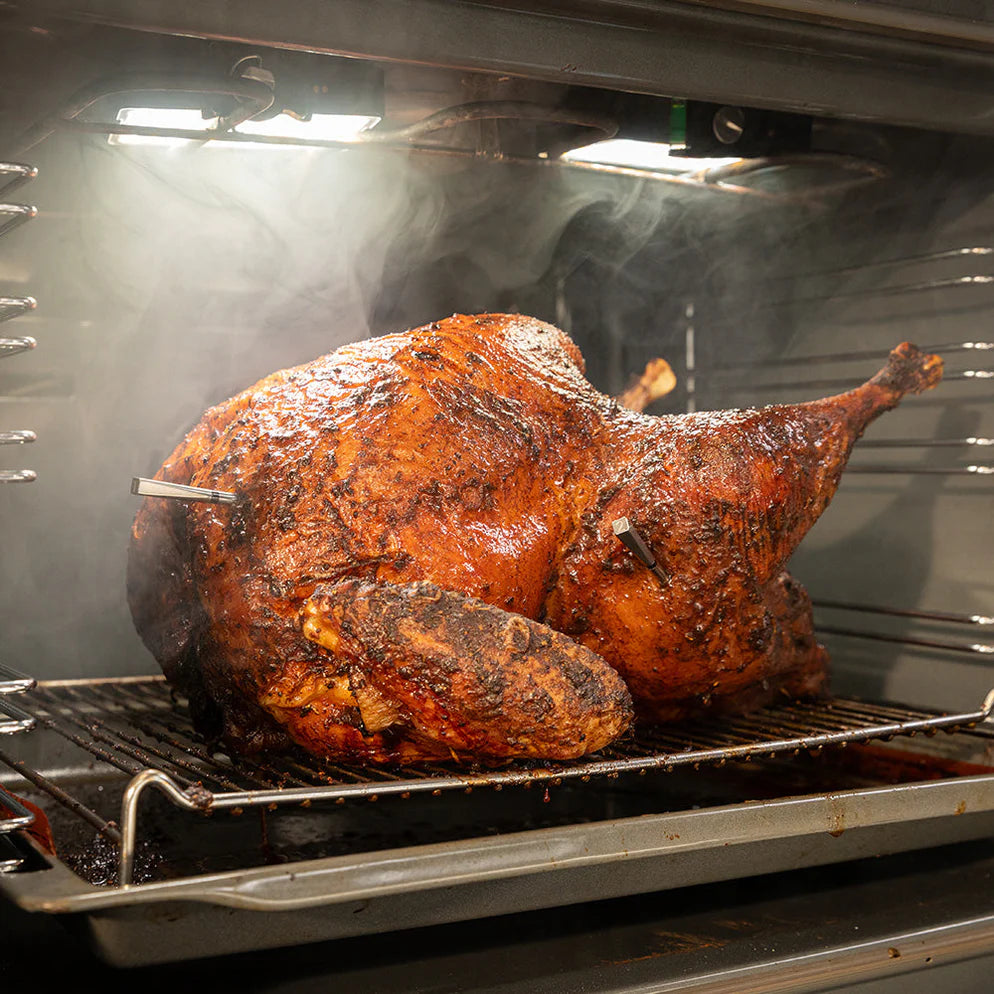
<point x="367" y="893"/>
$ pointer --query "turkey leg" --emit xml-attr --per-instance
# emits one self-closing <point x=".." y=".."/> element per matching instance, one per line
<point x="765" y="476"/>
<point x="465" y="675"/>
<point x="722" y="499"/>
<point x="828" y="429"/>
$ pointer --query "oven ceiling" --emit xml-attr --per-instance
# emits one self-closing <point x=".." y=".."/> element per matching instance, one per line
<point x="895" y="62"/>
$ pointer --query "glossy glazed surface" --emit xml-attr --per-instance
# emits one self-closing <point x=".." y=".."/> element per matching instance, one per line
<point x="471" y="453"/>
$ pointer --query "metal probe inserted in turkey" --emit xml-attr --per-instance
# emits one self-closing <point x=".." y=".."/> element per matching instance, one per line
<point x="625" y="531"/>
<point x="142" y="487"/>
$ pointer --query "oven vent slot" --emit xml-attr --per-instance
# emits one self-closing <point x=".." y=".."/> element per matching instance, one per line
<point x="13" y="814"/>
<point x="133" y="725"/>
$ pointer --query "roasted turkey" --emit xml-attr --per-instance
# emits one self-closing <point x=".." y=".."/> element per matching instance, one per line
<point x="423" y="562"/>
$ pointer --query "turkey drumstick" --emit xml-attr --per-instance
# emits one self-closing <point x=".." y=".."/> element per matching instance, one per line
<point x="722" y="499"/>
<point x="464" y="677"/>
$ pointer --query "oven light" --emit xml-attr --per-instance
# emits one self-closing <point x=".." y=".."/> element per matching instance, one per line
<point x="158" y="117"/>
<point x="640" y="155"/>
<point x="321" y="127"/>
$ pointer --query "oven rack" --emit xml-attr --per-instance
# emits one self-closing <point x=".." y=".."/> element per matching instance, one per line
<point x="13" y="175"/>
<point x="847" y="383"/>
<point x="853" y="355"/>
<point x="134" y="725"/>
<point x="13" y="814"/>
<point x="967" y="622"/>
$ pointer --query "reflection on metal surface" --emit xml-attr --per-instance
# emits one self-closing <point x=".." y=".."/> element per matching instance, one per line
<point x="19" y="817"/>
<point x="142" y="487"/>
<point x="491" y="110"/>
<point x="334" y="127"/>
<point x="12" y="307"/>
<point x="13" y="814"/>
<point x="14" y="719"/>
<point x="945" y="616"/>
<point x="442" y="151"/>
<point x="14" y="682"/>
<point x="923" y="443"/>
<point x="14" y="215"/>
<point x="10" y="858"/>
<point x="129" y="813"/>
<point x="907" y="260"/>
<point x="860" y="171"/>
<point x="13" y="346"/>
<point x="256" y="98"/>
<point x="806" y="360"/>
<point x="19" y="436"/>
<point x="14" y="174"/>
<point x="982" y="470"/>
<point x="981" y="649"/>
<point x="640" y="155"/>
<point x="406" y="139"/>
<point x="848" y="383"/>
<point x="905" y="289"/>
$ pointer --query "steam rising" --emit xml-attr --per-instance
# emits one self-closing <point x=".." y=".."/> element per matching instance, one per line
<point x="170" y="279"/>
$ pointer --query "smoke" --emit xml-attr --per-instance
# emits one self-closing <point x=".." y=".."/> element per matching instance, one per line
<point x="169" y="279"/>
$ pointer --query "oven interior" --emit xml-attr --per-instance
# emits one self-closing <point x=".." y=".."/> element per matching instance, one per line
<point x="169" y="276"/>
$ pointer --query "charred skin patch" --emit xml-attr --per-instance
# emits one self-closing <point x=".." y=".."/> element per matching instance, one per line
<point x="468" y="675"/>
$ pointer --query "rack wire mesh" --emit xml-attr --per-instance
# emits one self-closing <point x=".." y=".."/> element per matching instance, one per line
<point x="135" y="726"/>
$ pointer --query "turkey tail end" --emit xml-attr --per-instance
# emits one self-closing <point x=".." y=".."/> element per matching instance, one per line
<point x="909" y="370"/>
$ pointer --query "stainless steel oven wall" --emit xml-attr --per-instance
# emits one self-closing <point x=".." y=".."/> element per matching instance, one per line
<point x="922" y="540"/>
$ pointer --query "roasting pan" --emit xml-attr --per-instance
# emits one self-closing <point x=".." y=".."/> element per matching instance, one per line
<point x="618" y="834"/>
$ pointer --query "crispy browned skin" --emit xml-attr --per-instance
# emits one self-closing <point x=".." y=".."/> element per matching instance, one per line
<point x="481" y="681"/>
<point x="473" y="454"/>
